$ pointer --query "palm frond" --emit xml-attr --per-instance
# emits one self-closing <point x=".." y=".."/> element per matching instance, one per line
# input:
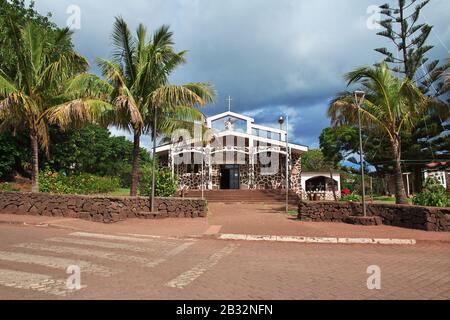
<point x="204" y="90"/>
<point x="34" y="41"/>
<point x="88" y="85"/>
<point x="7" y="86"/>
<point x="124" y="48"/>
<point x="171" y="95"/>
<point x="112" y="72"/>
<point x="43" y="136"/>
<point x="77" y="113"/>
<point x="62" y="68"/>
<point x="162" y="37"/>
<point x="126" y="104"/>
<point x="24" y="67"/>
<point x="63" y="36"/>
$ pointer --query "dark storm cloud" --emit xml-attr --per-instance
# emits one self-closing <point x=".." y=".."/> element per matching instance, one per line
<point x="271" y="56"/>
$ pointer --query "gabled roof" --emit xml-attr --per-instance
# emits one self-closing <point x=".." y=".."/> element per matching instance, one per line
<point x="229" y="114"/>
<point x="249" y="134"/>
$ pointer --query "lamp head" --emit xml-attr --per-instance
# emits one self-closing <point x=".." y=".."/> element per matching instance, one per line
<point x="359" y="97"/>
<point x="281" y="120"/>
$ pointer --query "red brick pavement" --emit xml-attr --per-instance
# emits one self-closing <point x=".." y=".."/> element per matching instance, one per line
<point x="237" y="218"/>
<point x="271" y="220"/>
<point x="211" y="269"/>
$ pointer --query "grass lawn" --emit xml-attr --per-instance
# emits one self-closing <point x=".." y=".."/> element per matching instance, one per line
<point x="292" y="213"/>
<point x="385" y="199"/>
<point x="122" y="192"/>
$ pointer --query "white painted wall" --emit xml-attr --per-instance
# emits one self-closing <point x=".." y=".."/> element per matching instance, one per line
<point x="308" y="175"/>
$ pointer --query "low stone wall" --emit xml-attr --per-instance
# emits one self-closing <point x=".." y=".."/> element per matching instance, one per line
<point x="98" y="209"/>
<point x="413" y="217"/>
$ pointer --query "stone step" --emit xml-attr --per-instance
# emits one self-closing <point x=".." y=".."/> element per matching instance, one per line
<point x="251" y="196"/>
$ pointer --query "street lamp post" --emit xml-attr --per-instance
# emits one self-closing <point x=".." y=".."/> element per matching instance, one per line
<point x="152" y="196"/>
<point x="359" y="100"/>
<point x="281" y="121"/>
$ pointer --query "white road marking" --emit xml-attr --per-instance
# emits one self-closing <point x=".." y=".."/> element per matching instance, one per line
<point x="148" y="236"/>
<point x="33" y="281"/>
<point x="55" y="262"/>
<point x="88" y="253"/>
<point x="142" y="235"/>
<point x="191" y="275"/>
<point x="118" y="238"/>
<point x="171" y="253"/>
<point x="102" y="244"/>
<point x="246" y="237"/>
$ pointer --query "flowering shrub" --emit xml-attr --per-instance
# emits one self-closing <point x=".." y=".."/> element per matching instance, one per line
<point x="351" y="197"/>
<point x="57" y="182"/>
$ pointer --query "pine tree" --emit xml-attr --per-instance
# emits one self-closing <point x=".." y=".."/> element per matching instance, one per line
<point x="401" y="25"/>
<point x="430" y="139"/>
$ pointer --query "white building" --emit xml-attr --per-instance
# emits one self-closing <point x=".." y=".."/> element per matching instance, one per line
<point x="236" y="153"/>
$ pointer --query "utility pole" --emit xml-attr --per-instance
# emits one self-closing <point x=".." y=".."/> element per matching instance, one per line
<point x="287" y="163"/>
<point x="359" y="99"/>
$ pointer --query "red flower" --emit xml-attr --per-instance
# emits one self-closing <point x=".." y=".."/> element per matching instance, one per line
<point x="346" y="192"/>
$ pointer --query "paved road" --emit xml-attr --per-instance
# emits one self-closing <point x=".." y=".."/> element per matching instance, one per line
<point x="33" y="263"/>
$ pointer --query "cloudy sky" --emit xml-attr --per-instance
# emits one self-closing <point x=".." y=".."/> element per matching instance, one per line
<point x="272" y="56"/>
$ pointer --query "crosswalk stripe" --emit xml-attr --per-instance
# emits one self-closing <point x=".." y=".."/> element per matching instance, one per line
<point x="102" y="244"/>
<point x="148" y="236"/>
<point x="55" y="262"/>
<point x="112" y="237"/>
<point x="189" y="276"/>
<point x="33" y="281"/>
<point x="87" y="252"/>
<point x="172" y="253"/>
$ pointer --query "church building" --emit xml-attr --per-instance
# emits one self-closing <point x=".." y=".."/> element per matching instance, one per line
<point x="233" y="152"/>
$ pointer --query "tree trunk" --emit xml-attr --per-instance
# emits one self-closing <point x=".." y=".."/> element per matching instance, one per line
<point x="135" y="167"/>
<point x="35" y="162"/>
<point x="400" y="193"/>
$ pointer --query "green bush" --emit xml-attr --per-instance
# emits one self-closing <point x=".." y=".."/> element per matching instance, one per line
<point x="166" y="184"/>
<point x="84" y="183"/>
<point x="432" y="195"/>
<point x="353" y="197"/>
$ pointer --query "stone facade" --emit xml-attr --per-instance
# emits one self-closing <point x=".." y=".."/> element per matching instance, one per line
<point x="98" y="209"/>
<point x="296" y="176"/>
<point x="413" y="217"/>
<point x="250" y="177"/>
<point x="232" y="144"/>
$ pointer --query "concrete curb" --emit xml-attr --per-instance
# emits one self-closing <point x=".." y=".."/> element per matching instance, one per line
<point x="316" y="240"/>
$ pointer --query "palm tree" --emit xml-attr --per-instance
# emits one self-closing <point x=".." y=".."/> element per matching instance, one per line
<point x="139" y="72"/>
<point x="49" y="76"/>
<point x="393" y="105"/>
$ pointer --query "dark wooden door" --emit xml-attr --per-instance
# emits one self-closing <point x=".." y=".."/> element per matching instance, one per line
<point x="230" y="177"/>
<point x="234" y="178"/>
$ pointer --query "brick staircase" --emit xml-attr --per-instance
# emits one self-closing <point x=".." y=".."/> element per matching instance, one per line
<point x="248" y="196"/>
